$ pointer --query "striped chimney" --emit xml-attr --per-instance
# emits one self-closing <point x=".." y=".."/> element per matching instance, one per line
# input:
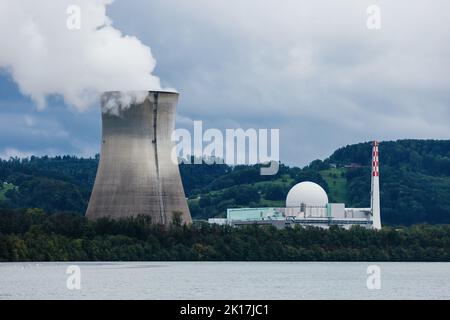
<point x="375" y="190"/>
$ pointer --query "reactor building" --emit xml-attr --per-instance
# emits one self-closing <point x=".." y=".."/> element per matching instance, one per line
<point x="307" y="205"/>
<point x="136" y="174"/>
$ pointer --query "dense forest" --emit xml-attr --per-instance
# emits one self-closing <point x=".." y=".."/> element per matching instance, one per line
<point x="32" y="235"/>
<point x="415" y="179"/>
<point x="415" y="182"/>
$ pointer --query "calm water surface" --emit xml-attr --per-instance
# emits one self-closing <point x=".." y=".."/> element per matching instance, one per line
<point x="225" y="280"/>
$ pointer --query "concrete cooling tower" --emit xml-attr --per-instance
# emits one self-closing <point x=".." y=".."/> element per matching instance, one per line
<point x="136" y="175"/>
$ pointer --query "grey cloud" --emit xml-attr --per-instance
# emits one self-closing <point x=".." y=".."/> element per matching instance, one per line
<point x="310" y="68"/>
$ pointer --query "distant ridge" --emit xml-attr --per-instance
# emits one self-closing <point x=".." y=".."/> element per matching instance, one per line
<point x="415" y="182"/>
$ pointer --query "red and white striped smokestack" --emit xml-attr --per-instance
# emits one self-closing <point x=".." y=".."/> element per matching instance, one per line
<point x="375" y="192"/>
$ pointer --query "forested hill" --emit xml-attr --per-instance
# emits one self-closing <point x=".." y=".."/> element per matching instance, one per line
<point x="430" y="157"/>
<point x="415" y="182"/>
<point x="414" y="177"/>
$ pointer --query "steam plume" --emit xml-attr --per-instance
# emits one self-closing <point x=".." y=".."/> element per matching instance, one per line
<point x="46" y="57"/>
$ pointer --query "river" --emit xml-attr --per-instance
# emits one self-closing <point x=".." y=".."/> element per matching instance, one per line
<point x="225" y="280"/>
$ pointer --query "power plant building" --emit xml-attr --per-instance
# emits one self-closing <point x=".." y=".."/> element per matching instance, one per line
<point x="307" y="205"/>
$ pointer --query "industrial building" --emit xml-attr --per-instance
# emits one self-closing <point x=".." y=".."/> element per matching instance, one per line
<point x="307" y="205"/>
<point x="136" y="174"/>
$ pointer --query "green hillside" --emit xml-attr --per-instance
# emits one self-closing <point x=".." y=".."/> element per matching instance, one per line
<point x="414" y="178"/>
<point x="4" y="188"/>
<point x="415" y="182"/>
<point x="336" y="179"/>
<point x="269" y="193"/>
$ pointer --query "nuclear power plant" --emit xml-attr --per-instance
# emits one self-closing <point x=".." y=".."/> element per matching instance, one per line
<point x="307" y="205"/>
<point x="136" y="174"/>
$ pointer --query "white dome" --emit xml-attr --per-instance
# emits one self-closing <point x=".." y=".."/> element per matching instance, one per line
<point x="308" y="193"/>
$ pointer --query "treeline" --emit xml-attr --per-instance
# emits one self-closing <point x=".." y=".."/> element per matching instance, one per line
<point x="32" y="235"/>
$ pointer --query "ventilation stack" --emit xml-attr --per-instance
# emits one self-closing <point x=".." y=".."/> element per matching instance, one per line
<point x="375" y="191"/>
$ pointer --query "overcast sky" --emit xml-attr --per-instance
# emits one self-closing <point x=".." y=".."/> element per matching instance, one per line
<point x="309" y="68"/>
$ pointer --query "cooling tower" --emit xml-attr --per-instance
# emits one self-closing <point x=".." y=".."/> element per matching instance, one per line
<point x="136" y="175"/>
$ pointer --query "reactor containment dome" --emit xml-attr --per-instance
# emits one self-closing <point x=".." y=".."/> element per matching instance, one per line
<point x="306" y="193"/>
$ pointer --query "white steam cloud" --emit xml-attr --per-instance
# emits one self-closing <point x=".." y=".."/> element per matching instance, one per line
<point x="115" y="101"/>
<point x="49" y="49"/>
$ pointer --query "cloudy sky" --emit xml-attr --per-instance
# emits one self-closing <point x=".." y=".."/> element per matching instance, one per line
<point x="309" y="68"/>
